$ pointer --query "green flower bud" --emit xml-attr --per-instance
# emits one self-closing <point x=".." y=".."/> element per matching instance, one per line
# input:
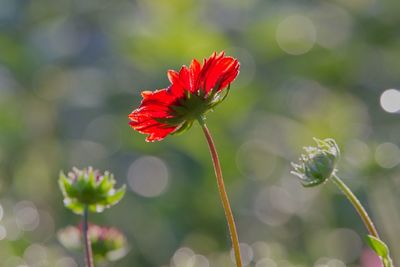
<point x="108" y="243"/>
<point x="88" y="187"/>
<point x="318" y="163"/>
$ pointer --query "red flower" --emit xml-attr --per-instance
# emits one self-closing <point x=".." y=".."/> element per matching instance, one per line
<point x="193" y="92"/>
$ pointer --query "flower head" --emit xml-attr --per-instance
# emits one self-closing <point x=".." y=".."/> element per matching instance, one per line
<point x="89" y="187"/>
<point x="318" y="163"/>
<point x="108" y="243"/>
<point x="193" y="91"/>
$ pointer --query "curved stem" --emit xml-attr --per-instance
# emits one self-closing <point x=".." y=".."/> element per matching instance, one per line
<point x="387" y="261"/>
<point x="223" y="194"/>
<point x="86" y="240"/>
<point x="357" y="205"/>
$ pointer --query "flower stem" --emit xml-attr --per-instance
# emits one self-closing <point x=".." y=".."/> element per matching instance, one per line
<point x="357" y="205"/>
<point x="223" y="194"/>
<point x="387" y="261"/>
<point x="86" y="240"/>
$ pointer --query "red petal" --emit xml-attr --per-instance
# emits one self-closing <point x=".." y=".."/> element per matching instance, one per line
<point x="156" y="132"/>
<point x="184" y="78"/>
<point x="173" y="76"/>
<point x="159" y="97"/>
<point x="155" y="105"/>
<point x="221" y="72"/>
<point x="194" y="71"/>
<point x="217" y="71"/>
<point x="177" y="86"/>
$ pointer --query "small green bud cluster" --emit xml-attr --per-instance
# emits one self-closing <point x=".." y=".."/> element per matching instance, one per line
<point x="318" y="163"/>
<point x="88" y="187"/>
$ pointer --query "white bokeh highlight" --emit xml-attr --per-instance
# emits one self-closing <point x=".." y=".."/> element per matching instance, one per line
<point x="390" y="100"/>
<point x="148" y="176"/>
<point x="296" y="35"/>
<point x="26" y="216"/>
<point x="387" y="155"/>
<point x="66" y="262"/>
<point x="274" y="206"/>
<point x="266" y="262"/>
<point x="185" y="257"/>
<point x="3" y="232"/>
<point x="1" y="212"/>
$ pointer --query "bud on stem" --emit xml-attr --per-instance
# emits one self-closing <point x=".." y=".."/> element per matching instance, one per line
<point x="89" y="187"/>
<point x="318" y="163"/>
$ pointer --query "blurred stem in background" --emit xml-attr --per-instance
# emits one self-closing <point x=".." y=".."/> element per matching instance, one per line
<point x="86" y="239"/>
<point x="223" y="194"/>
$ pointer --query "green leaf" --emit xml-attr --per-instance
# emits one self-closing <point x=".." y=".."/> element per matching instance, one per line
<point x="378" y="246"/>
<point x="380" y="249"/>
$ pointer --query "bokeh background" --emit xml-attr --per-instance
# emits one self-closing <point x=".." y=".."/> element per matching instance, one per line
<point x="71" y="71"/>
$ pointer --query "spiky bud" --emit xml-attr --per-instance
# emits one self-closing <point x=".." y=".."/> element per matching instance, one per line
<point x="89" y="187"/>
<point x="318" y="163"/>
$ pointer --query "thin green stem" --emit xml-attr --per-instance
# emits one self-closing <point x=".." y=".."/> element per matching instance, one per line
<point x="86" y="240"/>
<point x="223" y="194"/>
<point x="387" y="262"/>
<point x="357" y="205"/>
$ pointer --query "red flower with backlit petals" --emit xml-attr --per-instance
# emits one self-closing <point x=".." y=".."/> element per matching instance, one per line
<point x="193" y="92"/>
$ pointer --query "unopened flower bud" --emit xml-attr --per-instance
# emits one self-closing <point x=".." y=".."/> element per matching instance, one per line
<point x="318" y="163"/>
<point x="89" y="187"/>
<point x="108" y="243"/>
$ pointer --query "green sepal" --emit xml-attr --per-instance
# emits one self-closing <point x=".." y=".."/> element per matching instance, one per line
<point x="64" y="184"/>
<point x="185" y="126"/>
<point x="192" y="106"/>
<point x="217" y="100"/>
<point x="74" y="206"/>
<point x="173" y="121"/>
<point x="106" y="184"/>
<point x="116" y="196"/>
<point x="179" y="109"/>
<point x="89" y="188"/>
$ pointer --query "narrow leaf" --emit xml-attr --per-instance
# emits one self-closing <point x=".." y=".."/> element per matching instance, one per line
<point x="378" y="246"/>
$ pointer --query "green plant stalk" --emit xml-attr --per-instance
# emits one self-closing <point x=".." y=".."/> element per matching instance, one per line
<point x="223" y="194"/>
<point x="86" y="240"/>
<point x="361" y="212"/>
<point x="357" y="205"/>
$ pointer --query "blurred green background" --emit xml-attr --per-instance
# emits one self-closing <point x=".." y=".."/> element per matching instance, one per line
<point x="72" y="70"/>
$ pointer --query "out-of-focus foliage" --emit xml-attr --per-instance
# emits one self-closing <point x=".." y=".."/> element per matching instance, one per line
<point x="108" y="243"/>
<point x="71" y="71"/>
